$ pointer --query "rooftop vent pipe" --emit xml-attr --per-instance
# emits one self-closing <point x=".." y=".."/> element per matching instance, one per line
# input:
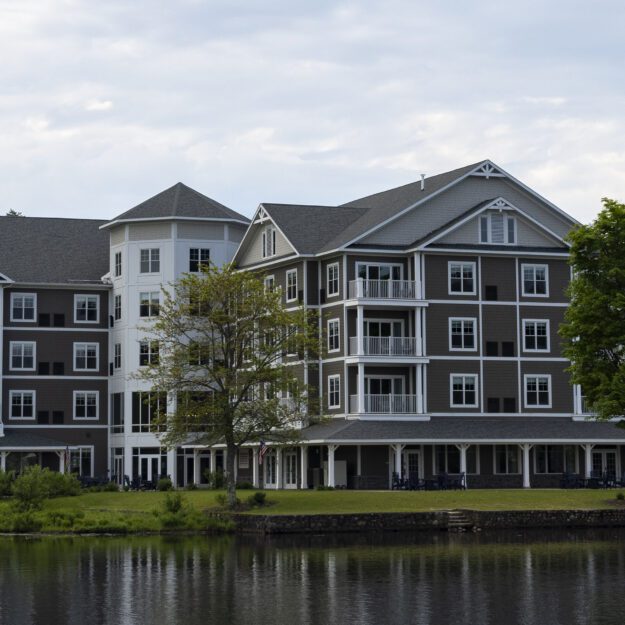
<point x="422" y="182"/>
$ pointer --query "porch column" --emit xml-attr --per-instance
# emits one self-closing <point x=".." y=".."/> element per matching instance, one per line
<point x="360" y="329"/>
<point x="463" y="460"/>
<point x="3" y="459"/>
<point x="526" y="464"/>
<point x="418" y="332"/>
<point x="196" y="466"/>
<point x="61" y="455"/>
<point x="587" y="460"/>
<point x="398" y="448"/>
<point x="213" y="460"/>
<point x="171" y="465"/>
<point x="255" y="481"/>
<point x="303" y="472"/>
<point x="361" y="387"/>
<point x="419" y="388"/>
<point x="418" y="278"/>
<point x="279" y="480"/>
<point x="331" y="450"/>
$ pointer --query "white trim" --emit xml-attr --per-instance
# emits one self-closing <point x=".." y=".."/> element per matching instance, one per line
<point x="45" y="378"/>
<point x="34" y="345"/>
<point x="53" y="329"/>
<point x="22" y="392"/>
<point x="473" y="320"/>
<point x="97" y="355"/>
<point x="20" y="294"/>
<point x="338" y="334"/>
<point x="524" y="322"/>
<point x="97" y="405"/>
<point x="116" y="222"/>
<point x="334" y="377"/>
<point x="536" y="406"/>
<point x="378" y="264"/>
<point x="266" y="279"/>
<point x="338" y="273"/>
<point x="150" y="251"/>
<point x="495" y="303"/>
<point x="534" y="266"/>
<point x="117" y="296"/>
<point x="4" y="278"/>
<point x="476" y="358"/>
<point x="97" y="308"/>
<point x="462" y="263"/>
<point x="286" y="293"/>
<point x="476" y="390"/>
<point x="10" y="426"/>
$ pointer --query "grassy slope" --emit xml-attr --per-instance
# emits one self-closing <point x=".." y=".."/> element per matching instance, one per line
<point x="133" y="512"/>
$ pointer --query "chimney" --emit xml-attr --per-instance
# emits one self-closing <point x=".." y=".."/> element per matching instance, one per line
<point x="422" y="182"/>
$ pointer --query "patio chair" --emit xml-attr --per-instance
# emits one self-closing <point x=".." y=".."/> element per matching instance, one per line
<point x="443" y="481"/>
<point x="415" y="483"/>
<point x="457" y="482"/>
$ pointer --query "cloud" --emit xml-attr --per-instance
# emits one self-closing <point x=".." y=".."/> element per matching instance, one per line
<point x="104" y="104"/>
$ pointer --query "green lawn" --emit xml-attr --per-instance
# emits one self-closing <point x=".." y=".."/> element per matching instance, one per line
<point x="134" y="512"/>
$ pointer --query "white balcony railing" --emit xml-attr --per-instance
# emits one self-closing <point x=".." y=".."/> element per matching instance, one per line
<point x="383" y="346"/>
<point x="585" y="406"/>
<point x="382" y="289"/>
<point x="385" y="404"/>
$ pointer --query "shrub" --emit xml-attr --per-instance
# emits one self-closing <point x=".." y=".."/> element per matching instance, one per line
<point x="323" y="487"/>
<point x="60" y="484"/>
<point x="191" y="486"/>
<point x="57" y="519"/>
<point x="245" y="486"/>
<point x="25" y="521"/>
<point x="215" y="480"/>
<point x="258" y="499"/>
<point x="30" y="489"/>
<point x="164" y="484"/>
<point x="6" y="482"/>
<point x="222" y="500"/>
<point x="620" y="496"/>
<point x="173" y="503"/>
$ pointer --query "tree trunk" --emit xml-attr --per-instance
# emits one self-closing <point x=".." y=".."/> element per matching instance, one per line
<point x="230" y="475"/>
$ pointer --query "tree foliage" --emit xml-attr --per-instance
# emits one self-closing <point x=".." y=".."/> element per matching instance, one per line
<point x="222" y="338"/>
<point x="594" y="327"/>
<point x="13" y="213"/>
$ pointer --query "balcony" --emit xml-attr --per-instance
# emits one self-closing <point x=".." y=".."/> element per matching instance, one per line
<point x="390" y="346"/>
<point x="386" y="290"/>
<point x="384" y="404"/>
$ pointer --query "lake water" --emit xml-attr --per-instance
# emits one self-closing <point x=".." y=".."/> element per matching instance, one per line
<point x="435" y="579"/>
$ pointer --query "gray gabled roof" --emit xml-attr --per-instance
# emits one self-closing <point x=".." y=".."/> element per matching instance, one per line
<point x="23" y="439"/>
<point x="180" y="201"/>
<point x="46" y="250"/>
<point x="463" y="429"/>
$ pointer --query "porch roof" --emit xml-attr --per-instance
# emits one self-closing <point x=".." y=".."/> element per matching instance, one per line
<point x="467" y="429"/>
<point x="16" y="440"/>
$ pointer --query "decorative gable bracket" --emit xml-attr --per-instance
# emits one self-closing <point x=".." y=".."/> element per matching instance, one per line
<point x="487" y="170"/>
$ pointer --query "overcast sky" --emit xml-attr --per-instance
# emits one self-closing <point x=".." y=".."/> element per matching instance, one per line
<point x="104" y="104"/>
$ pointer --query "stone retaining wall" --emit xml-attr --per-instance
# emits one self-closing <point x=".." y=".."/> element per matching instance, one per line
<point x="423" y="521"/>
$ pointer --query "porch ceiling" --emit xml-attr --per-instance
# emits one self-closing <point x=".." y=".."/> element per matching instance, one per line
<point x="466" y="429"/>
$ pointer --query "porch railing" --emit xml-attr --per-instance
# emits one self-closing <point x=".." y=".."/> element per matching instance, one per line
<point x="384" y="404"/>
<point x="383" y="346"/>
<point x="382" y="289"/>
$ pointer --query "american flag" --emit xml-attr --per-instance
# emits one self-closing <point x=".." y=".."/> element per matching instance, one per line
<point x="262" y="450"/>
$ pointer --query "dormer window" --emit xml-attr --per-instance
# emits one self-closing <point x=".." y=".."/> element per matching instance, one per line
<point x="269" y="242"/>
<point x="497" y="228"/>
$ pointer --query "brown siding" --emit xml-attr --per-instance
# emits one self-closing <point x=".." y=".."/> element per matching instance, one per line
<point x="561" y="389"/>
<point x="324" y="278"/>
<point x="499" y="272"/>
<point x="500" y="381"/>
<point x="499" y="325"/>
<point x="559" y="278"/>
<point x="437" y="327"/>
<point x="438" y="380"/>
<point x="555" y="317"/>
<point x="436" y="276"/>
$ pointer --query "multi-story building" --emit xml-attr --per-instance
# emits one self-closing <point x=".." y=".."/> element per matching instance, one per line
<point x="76" y="300"/>
<point x="439" y="303"/>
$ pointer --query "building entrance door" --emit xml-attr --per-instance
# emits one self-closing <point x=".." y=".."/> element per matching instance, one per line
<point x="412" y="468"/>
<point x="148" y="467"/>
<point x="290" y="469"/>
<point x="604" y="461"/>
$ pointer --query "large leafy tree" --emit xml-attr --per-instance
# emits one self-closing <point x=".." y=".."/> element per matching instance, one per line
<point x="221" y="338"/>
<point x="594" y="326"/>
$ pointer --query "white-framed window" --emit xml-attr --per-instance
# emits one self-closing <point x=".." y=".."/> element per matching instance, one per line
<point x="117" y="307"/>
<point x="148" y="353"/>
<point x="117" y="356"/>
<point x="333" y="279"/>
<point x="462" y="335"/>
<point x="334" y="339"/>
<point x="269" y="241"/>
<point x="81" y="461"/>
<point x="506" y="459"/>
<point x="23" y="355"/>
<point x="86" y="356"/>
<point x="117" y="270"/>
<point x="86" y="404"/>
<point x="463" y="389"/>
<point x="199" y="257"/>
<point x="535" y="280"/>
<point x="22" y="404"/>
<point x="497" y="228"/>
<point x="446" y="459"/>
<point x="536" y="335"/>
<point x="291" y="342"/>
<point x="23" y="307"/>
<point x="150" y="260"/>
<point x="334" y="391"/>
<point x="86" y="308"/>
<point x="537" y="391"/>
<point x="291" y="285"/>
<point x="149" y="304"/>
<point x="269" y="282"/>
<point x="461" y="276"/>
<point x="555" y="459"/>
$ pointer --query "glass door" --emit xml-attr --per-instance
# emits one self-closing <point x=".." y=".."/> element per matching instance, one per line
<point x="411" y="464"/>
<point x="290" y="469"/>
<point x="270" y="468"/>
<point x="604" y="461"/>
